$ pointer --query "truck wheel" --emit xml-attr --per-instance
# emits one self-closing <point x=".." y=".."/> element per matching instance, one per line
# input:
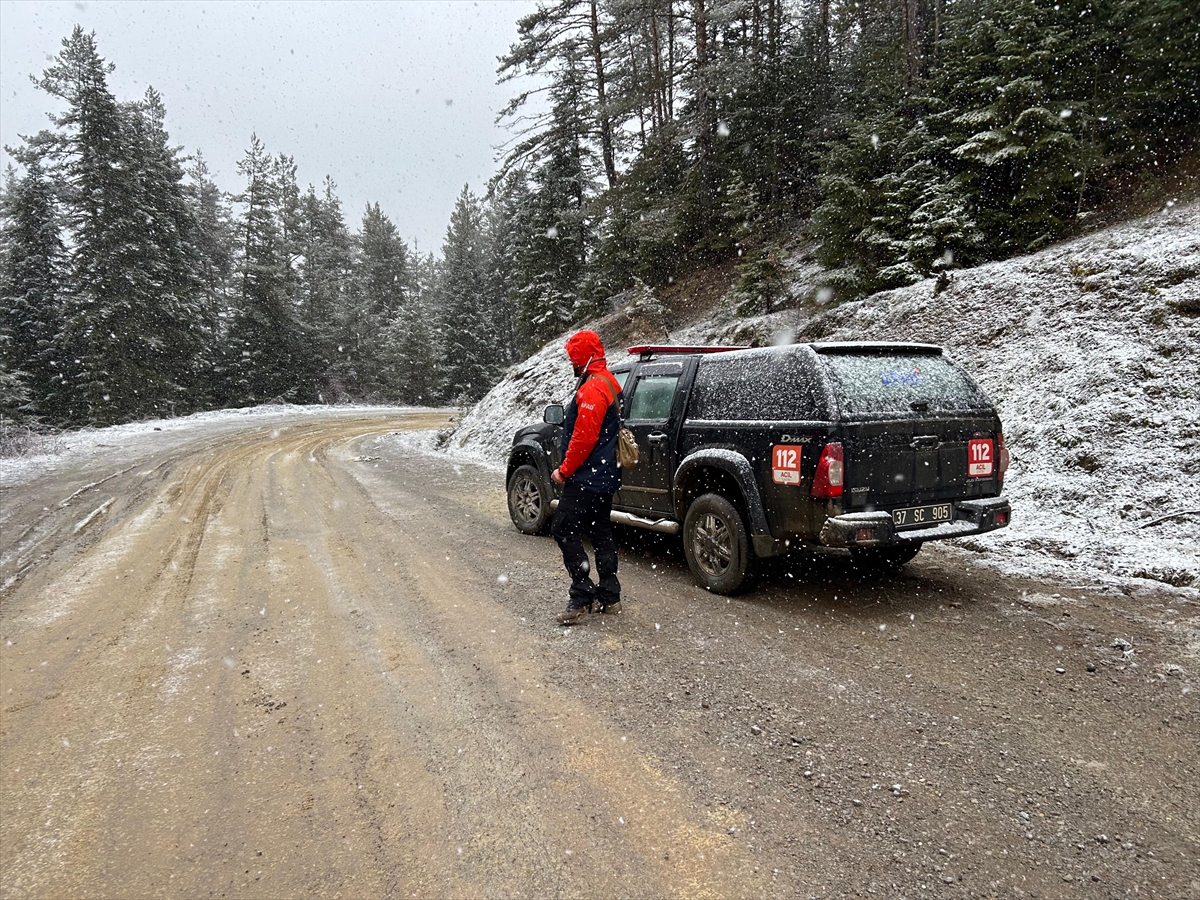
<point x="717" y="545"/>
<point x="884" y="558"/>
<point x="528" y="500"/>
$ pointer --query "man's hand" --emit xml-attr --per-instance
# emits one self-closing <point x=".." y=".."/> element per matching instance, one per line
<point x="557" y="478"/>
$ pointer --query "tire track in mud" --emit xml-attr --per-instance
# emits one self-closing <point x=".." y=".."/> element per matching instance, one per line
<point x="530" y="801"/>
<point x="89" y="641"/>
<point x="249" y="680"/>
<point x="595" y="812"/>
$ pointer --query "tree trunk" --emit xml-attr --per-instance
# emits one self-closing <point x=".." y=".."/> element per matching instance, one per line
<point x="704" y="125"/>
<point x="641" y="107"/>
<point x="659" y="81"/>
<point x="911" y="38"/>
<point x="938" y="9"/>
<point x="774" y="14"/>
<point x="757" y="19"/>
<point x="606" y="138"/>
<point x="823" y="39"/>
<point x="670" y="63"/>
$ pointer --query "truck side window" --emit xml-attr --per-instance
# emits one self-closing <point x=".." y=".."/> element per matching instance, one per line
<point x="757" y="385"/>
<point x="652" y="396"/>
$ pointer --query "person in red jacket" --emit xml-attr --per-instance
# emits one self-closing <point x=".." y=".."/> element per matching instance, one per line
<point x="590" y="476"/>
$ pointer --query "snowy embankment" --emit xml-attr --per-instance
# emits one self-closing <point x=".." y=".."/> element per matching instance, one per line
<point x="1091" y="350"/>
<point x="90" y="443"/>
<point x="485" y="433"/>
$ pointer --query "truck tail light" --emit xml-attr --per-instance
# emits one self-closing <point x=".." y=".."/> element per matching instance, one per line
<point x="827" y="482"/>
<point x="1001" y="454"/>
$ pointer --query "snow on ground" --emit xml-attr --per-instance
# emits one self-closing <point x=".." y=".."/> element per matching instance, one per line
<point x="1091" y="350"/>
<point x="1096" y="372"/>
<point x="75" y="446"/>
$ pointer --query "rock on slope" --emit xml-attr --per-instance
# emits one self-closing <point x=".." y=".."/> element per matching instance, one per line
<point x="1090" y="348"/>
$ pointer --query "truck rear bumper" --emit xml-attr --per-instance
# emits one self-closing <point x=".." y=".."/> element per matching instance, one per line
<point x="876" y="529"/>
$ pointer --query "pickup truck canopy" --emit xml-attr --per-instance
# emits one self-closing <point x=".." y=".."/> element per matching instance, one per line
<point x="876" y="347"/>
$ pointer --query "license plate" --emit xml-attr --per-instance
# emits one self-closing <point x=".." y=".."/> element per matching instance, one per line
<point x="916" y="516"/>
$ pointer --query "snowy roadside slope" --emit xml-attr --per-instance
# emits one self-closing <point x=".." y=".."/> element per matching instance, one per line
<point x="1096" y="371"/>
<point x="485" y="434"/>
<point x="1093" y="364"/>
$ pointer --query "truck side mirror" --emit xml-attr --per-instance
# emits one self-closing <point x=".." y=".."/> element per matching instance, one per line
<point x="554" y="414"/>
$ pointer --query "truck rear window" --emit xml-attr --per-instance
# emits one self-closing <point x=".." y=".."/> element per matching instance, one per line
<point x="901" y="383"/>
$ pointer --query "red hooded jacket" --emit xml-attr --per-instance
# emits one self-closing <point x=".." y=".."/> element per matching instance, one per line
<point x="597" y="419"/>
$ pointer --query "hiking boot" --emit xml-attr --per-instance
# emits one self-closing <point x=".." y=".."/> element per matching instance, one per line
<point x="574" y="614"/>
<point x="611" y="609"/>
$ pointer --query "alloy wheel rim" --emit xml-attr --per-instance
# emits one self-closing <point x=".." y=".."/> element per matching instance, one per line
<point x="712" y="544"/>
<point x="527" y="499"/>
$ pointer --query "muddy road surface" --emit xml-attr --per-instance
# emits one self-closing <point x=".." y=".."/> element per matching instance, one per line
<point x="298" y="660"/>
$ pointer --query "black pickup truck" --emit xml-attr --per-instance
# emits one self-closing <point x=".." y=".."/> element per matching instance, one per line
<point x="751" y="453"/>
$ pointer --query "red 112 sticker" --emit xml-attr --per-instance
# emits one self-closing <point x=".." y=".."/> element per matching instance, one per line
<point x="979" y="458"/>
<point x="785" y="464"/>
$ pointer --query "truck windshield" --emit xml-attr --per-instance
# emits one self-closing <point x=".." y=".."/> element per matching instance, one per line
<point x="907" y="383"/>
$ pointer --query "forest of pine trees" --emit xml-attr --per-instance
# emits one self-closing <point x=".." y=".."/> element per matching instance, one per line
<point x="907" y="137"/>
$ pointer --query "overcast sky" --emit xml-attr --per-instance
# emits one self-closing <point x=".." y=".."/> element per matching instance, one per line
<point x="397" y="101"/>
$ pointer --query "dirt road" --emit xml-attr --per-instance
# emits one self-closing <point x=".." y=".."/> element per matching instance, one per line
<point x="296" y="661"/>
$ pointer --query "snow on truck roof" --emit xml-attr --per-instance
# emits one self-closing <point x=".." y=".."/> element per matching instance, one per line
<point x="871" y="346"/>
<point x="647" y="350"/>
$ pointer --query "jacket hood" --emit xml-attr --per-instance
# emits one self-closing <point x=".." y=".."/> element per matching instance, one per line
<point x="585" y="349"/>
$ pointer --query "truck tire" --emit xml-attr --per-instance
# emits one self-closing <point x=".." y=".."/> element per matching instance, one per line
<point x="529" y="500"/>
<point x="717" y="545"/>
<point x="882" y="559"/>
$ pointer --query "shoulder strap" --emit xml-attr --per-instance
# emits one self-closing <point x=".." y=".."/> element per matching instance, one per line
<point x="612" y="393"/>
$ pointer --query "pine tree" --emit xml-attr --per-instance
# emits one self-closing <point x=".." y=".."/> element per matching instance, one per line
<point x="31" y="271"/>
<point x="264" y="353"/>
<point x="505" y="220"/>
<point x="467" y="334"/>
<point x="382" y="292"/>
<point x="130" y="319"/>
<point x="557" y="241"/>
<point x="167" y="264"/>
<point x="323" y="247"/>
<point x="214" y="243"/>
<point x="1160" y="74"/>
<point x="642" y="233"/>
<point x="1012" y="129"/>
<point x="411" y="354"/>
<point x="93" y="172"/>
<point x="569" y="40"/>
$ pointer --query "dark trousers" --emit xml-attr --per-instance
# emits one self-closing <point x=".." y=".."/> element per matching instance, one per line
<point x="581" y="513"/>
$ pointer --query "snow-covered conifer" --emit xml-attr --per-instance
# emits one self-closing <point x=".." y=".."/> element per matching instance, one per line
<point x="264" y="356"/>
<point x="470" y="358"/>
<point x="31" y="270"/>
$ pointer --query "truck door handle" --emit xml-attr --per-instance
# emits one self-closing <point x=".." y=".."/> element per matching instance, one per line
<point x="926" y="442"/>
<point x="657" y="439"/>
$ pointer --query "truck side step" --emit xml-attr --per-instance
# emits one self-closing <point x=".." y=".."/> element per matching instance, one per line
<point x="663" y="526"/>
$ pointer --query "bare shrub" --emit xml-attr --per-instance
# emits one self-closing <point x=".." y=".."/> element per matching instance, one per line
<point x="27" y="438"/>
